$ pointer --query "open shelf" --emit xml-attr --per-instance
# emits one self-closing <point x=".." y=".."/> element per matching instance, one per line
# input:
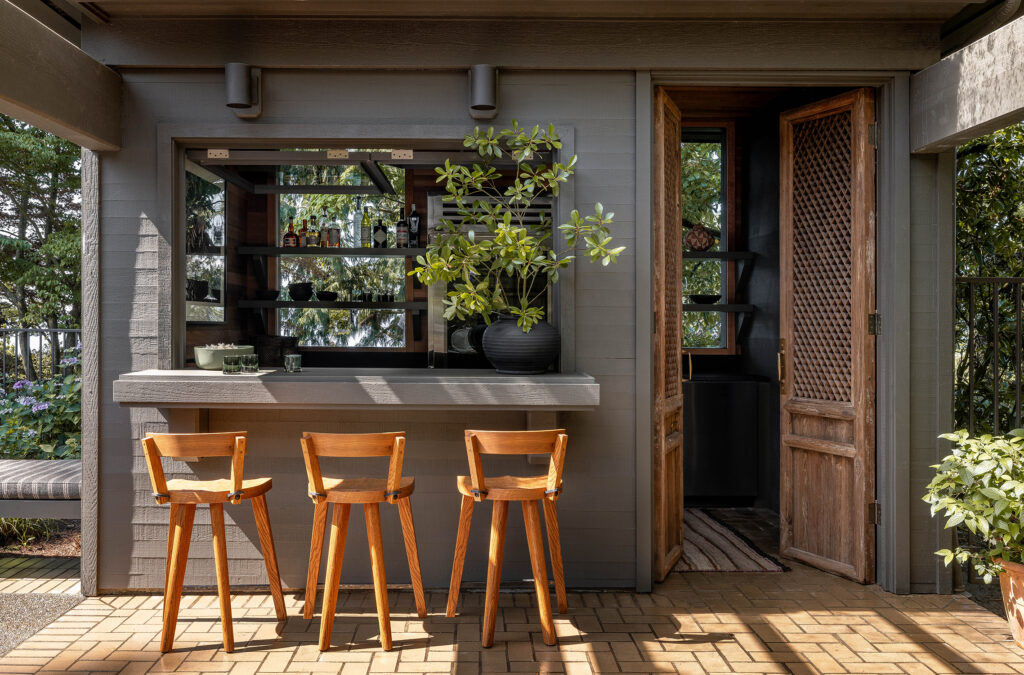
<point x="723" y="307"/>
<point x="338" y="304"/>
<point x="718" y="255"/>
<point x="316" y="251"/>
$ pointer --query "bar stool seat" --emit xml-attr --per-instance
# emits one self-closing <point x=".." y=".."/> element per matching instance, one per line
<point x="217" y="491"/>
<point x="508" y="488"/>
<point x="364" y="490"/>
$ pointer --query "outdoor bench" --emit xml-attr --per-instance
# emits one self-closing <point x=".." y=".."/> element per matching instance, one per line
<point x="40" y="488"/>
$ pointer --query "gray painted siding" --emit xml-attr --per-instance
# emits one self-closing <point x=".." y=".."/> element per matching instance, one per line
<point x="598" y="509"/>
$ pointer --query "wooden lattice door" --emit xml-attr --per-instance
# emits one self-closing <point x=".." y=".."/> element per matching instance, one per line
<point x="827" y="354"/>
<point x="667" y="375"/>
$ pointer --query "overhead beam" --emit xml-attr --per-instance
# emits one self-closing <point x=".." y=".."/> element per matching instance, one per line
<point x="972" y="92"/>
<point x="376" y="175"/>
<point x="49" y="83"/>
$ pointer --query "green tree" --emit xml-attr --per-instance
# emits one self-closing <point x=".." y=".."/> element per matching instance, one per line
<point x="701" y="186"/>
<point x="40" y="242"/>
<point x="989" y="241"/>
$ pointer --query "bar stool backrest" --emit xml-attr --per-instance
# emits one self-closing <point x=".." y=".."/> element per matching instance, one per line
<point x="552" y="441"/>
<point x="223" y="444"/>
<point x="388" y="444"/>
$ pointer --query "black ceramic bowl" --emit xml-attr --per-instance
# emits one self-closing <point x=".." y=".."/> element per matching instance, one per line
<point x="300" y="292"/>
<point x="326" y="296"/>
<point x="267" y="294"/>
<point x="196" y="289"/>
<point x="705" y="298"/>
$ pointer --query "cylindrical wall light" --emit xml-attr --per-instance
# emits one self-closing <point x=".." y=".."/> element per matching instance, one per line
<point x="243" y="88"/>
<point x="483" y="92"/>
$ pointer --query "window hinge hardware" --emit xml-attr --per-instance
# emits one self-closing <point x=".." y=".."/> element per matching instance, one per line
<point x="873" y="133"/>
<point x="401" y="154"/>
<point x="874" y="324"/>
<point x="874" y="513"/>
<point x="335" y="153"/>
<point x="218" y="153"/>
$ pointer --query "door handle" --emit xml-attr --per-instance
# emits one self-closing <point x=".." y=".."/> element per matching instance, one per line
<point x="781" y="363"/>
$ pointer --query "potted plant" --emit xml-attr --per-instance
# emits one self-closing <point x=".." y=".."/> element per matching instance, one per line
<point x="981" y="486"/>
<point x="497" y="262"/>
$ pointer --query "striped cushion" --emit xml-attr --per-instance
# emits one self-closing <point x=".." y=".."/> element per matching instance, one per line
<point x="40" y="478"/>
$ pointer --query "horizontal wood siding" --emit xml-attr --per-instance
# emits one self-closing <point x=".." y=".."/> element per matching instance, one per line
<point x="598" y="522"/>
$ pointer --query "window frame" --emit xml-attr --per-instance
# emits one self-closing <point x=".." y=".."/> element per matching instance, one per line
<point x="730" y="228"/>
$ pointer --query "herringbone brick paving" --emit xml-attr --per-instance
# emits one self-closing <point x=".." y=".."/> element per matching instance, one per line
<point x="39" y="574"/>
<point x="803" y="621"/>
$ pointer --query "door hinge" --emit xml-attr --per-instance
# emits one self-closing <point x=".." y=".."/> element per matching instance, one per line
<point x="874" y="513"/>
<point x="873" y="134"/>
<point x="654" y="322"/>
<point x="874" y="324"/>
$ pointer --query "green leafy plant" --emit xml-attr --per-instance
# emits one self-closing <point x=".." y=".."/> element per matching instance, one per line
<point x="43" y="419"/>
<point x="511" y="269"/>
<point x="24" y="531"/>
<point x="981" y="487"/>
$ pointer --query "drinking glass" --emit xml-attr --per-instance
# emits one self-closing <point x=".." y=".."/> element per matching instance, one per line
<point x="293" y="363"/>
<point x="250" y="363"/>
<point x="232" y="364"/>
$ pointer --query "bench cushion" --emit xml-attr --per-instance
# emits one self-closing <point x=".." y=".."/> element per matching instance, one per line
<point x="40" y="479"/>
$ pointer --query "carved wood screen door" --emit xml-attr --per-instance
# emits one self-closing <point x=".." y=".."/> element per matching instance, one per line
<point x="667" y="361"/>
<point x="826" y="352"/>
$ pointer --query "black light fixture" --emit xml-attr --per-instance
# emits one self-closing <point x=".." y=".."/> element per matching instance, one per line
<point x="483" y="92"/>
<point x="243" y="86"/>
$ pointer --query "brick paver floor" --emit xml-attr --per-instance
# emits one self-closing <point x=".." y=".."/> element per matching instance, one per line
<point x="39" y="574"/>
<point x="803" y="621"/>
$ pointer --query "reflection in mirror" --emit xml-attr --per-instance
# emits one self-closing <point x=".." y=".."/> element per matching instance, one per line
<point x="204" y="246"/>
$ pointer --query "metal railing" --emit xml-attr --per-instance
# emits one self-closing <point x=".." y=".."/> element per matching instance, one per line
<point x="33" y="353"/>
<point x="988" y="341"/>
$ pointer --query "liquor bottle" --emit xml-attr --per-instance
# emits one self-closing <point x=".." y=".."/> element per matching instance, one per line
<point x="302" y="232"/>
<point x="414" y="227"/>
<point x="402" y="232"/>
<point x="380" y="234"/>
<point x="290" y="239"/>
<point x="325" y="229"/>
<point x="365" y="227"/>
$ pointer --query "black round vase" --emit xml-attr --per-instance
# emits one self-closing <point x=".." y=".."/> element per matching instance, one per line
<point x="513" y="352"/>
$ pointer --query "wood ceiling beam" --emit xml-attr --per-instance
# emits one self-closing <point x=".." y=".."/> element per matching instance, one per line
<point x="49" y="83"/>
<point x="972" y="92"/>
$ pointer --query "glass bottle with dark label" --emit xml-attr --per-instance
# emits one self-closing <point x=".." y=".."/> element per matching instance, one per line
<point x="402" y="232"/>
<point x="414" y="227"/>
<point x="365" y="230"/>
<point x="290" y="239"/>
<point x="380" y="234"/>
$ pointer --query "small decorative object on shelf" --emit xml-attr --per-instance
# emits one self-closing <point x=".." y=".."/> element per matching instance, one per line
<point x="365" y="229"/>
<point x="293" y="363"/>
<point x="325" y="229"/>
<point x="211" y="357"/>
<point x="380" y="234"/>
<point x="231" y="364"/>
<point x="290" y="239"/>
<point x="698" y="238"/>
<point x="250" y="363"/>
<point x="414" y="227"/>
<point x="302" y="233"/>
<point x="196" y="290"/>
<point x="300" y="292"/>
<point x="402" y="232"/>
<point x="705" y="298"/>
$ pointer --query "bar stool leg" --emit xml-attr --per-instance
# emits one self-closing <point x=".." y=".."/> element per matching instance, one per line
<point x="499" y="517"/>
<point x="316" y="547"/>
<point x="176" y="576"/>
<point x="380" y="583"/>
<point x="220" y="557"/>
<point x="170" y="550"/>
<point x="461" y="544"/>
<point x="335" y="557"/>
<point x="540" y="569"/>
<point x="555" y="546"/>
<point x="412" y="554"/>
<point x="259" y="509"/>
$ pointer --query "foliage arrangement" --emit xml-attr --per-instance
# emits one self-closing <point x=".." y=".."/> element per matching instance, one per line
<point x="980" y="486"/>
<point x="989" y="238"/>
<point x="43" y="419"/>
<point x="25" y="531"/>
<point x="701" y="183"/>
<point x="511" y="269"/>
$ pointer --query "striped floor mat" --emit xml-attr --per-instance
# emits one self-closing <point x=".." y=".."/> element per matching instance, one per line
<point x="710" y="546"/>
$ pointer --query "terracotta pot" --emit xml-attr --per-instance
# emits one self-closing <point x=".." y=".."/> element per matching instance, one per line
<point x="1011" y="582"/>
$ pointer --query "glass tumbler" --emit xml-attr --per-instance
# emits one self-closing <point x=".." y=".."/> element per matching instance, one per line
<point x="232" y="364"/>
<point x="293" y="363"/>
<point x="250" y="363"/>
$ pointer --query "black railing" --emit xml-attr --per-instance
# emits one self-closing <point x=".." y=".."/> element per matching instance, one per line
<point x="33" y="353"/>
<point x="987" y="367"/>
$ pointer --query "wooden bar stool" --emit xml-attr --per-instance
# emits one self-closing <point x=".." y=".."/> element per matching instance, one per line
<point x="184" y="495"/>
<point x="370" y="492"/>
<point x="504" y="489"/>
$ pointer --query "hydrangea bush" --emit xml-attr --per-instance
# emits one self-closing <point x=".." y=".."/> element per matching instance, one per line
<point x="43" y="419"/>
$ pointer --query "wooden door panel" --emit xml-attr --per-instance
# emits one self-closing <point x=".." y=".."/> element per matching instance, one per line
<point x="666" y="361"/>
<point x="827" y="284"/>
